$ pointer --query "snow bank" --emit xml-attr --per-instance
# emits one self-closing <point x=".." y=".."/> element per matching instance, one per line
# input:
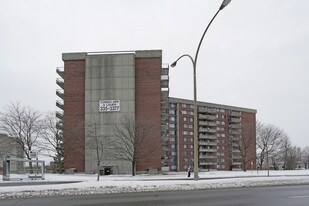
<point x="146" y="183"/>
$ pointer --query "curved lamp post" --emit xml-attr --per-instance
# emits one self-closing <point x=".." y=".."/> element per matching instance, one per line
<point x="194" y="61"/>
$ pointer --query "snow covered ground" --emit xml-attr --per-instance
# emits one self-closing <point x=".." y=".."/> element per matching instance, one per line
<point x="143" y="183"/>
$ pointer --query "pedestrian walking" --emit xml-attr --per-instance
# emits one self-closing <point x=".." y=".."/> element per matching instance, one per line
<point x="189" y="171"/>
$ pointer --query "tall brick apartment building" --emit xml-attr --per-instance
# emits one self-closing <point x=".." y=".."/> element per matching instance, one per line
<point x="226" y="136"/>
<point x="138" y="84"/>
<point x="135" y="81"/>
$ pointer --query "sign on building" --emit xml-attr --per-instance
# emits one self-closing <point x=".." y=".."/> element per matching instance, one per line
<point x="109" y="105"/>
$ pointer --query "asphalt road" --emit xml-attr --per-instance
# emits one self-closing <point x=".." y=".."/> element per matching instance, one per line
<point x="274" y="196"/>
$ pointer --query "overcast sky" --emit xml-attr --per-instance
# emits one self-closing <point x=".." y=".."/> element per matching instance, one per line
<point x="255" y="54"/>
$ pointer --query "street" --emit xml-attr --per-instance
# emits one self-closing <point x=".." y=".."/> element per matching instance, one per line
<point x="275" y="196"/>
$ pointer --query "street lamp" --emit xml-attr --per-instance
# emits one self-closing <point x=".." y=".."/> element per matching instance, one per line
<point x="194" y="61"/>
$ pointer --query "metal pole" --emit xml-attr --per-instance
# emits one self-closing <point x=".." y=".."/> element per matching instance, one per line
<point x="194" y="61"/>
<point x="195" y="147"/>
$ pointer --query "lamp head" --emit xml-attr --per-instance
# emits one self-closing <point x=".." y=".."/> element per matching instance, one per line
<point x="174" y="64"/>
<point x="224" y="4"/>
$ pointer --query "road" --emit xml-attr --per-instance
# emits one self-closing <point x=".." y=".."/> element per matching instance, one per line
<point x="274" y="196"/>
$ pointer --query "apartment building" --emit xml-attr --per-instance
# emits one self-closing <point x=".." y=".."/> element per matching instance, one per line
<point x="104" y="86"/>
<point x="226" y="136"/>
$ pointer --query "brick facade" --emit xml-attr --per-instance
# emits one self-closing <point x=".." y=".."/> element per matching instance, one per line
<point x="74" y="115"/>
<point x="148" y="108"/>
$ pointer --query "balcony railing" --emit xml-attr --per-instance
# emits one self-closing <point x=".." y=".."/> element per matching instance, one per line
<point x="208" y="117"/>
<point x="235" y="120"/>
<point x="207" y="130"/>
<point x="60" y="82"/>
<point x="207" y="110"/>
<point x="203" y="136"/>
<point x="60" y="71"/>
<point x="201" y="149"/>
<point x="205" y="123"/>
<point x="235" y="114"/>
<point x="59" y="104"/>
<point x="207" y="143"/>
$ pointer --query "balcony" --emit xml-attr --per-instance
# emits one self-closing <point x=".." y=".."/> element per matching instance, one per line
<point x="235" y="126"/>
<point x="235" y="114"/>
<point x="59" y="125"/>
<point x="207" y="117"/>
<point x="60" y="82"/>
<point x="236" y="151"/>
<point x="235" y="120"/>
<point x="164" y="95"/>
<point x="202" y="149"/>
<point x="207" y="157"/>
<point x="236" y="132"/>
<point x="207" y="110"/>
<point x="164" y="83"/>
<point x="59" y="104"/>
<point x="203" y="136"/>
<point x="207" y="143"/>
<point x="164" y="105"/>
<point x="205" y="123"/>
<point x="60" y="71"/>
<point x="164" y="127"/>
<point x="59" y="115"/>
<point x="60" y="93"/>
<point x="207" y="130"/>
<point x="164" y="69"/>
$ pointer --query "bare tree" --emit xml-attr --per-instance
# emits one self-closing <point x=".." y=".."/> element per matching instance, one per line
<point x="269" y="139"/>
<point x="284" y="151"/>
<point x="22" y="124"/>
<point x="294" y="156"/>
<point x="132" y="140"/>
<point x="53" y="141"/>
<point x="96" y="142"/>
<point x="305" y="157"/>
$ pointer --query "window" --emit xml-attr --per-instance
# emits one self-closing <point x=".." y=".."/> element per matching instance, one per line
<point x="184" y="105"/>
<point x="183" y="112"/>
<point x="185" y="119"/>
<point x="173" y="167"/>
<point x="185" y="126"/>
<point x="172" y="125"/>
<point x="172" y="146"/>
<point x="172" y="119"/>
<point x="185" y="139"/>
<point x="171" y="112"/>
<point x="191" y="126"/>
<point x="173" y="153"/>
<point x="173" y="105"/>
<point x="172" y="139"/>
<point x="190" y="133"/>
<point x="191" y="106"/>
<point x="185" y="132"/>
<point x="191" y="119"/>
<point x="172" y="132"/>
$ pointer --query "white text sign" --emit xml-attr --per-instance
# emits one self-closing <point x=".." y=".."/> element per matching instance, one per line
<point x="109" y="105"/>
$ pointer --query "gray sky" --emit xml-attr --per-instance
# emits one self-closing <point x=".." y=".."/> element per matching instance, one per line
<point x="255" y="54"/>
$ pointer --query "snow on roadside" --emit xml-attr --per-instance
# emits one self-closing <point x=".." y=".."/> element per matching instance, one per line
<point x="147" y="183"/>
